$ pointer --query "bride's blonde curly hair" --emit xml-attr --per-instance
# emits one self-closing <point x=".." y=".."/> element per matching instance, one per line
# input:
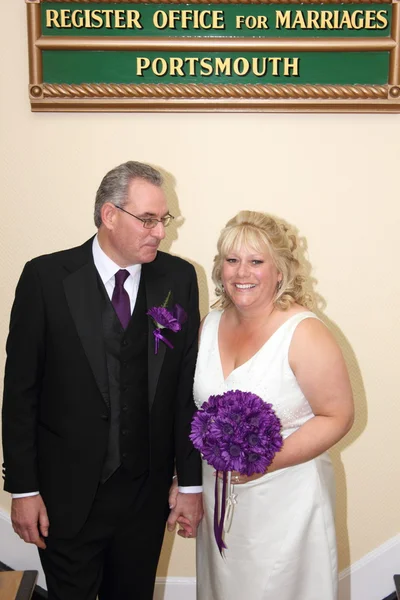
<point x="259" y="231"/>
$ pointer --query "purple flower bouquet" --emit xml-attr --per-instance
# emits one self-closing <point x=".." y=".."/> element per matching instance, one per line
<point x="235" y="431"/>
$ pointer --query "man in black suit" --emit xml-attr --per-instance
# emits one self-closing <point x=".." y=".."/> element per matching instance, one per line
<point x="96" y="411"/>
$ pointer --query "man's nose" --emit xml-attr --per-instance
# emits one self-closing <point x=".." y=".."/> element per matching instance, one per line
<point x="158" y="231"/>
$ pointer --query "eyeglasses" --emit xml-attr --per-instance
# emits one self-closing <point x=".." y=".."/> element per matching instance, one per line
<point x="150" y="223"/>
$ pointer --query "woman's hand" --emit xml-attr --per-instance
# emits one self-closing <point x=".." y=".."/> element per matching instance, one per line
<point x="238" y="479"/>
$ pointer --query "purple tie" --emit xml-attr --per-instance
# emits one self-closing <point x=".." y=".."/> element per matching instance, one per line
<point x="120" y="298"/>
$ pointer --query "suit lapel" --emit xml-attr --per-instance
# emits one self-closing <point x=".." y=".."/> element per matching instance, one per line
<point x="157" y="288"/>
<point x="83" y="298"/>
<point x="82" y="293"/>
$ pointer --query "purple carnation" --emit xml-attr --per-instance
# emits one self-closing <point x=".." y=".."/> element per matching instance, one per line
<point x="237" y="431"/>
<point x="200" y="428"/>
<point x="213" y="455"/>
<point x="168" y="319"/>
<point x="234" y="457"/>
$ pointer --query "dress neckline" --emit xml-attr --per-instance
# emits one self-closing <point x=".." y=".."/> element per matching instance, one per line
<point x="225" y="379"/>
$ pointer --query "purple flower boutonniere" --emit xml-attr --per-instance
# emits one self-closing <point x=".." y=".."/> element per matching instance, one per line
<point x="164" y="318"/>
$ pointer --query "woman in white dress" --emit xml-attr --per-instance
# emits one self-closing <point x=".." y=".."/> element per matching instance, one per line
<point x="263" y="339"/>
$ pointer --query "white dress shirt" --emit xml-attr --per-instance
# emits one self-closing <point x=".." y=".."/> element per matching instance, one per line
<point x="107" y="269"/>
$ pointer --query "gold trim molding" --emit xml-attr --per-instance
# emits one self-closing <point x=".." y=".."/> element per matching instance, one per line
<point x="266" y="92"/>
<point x="224" y="1"/>
<point x="215" y="44"/>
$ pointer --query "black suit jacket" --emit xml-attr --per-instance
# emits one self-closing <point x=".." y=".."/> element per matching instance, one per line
<point x="55" y="427"/>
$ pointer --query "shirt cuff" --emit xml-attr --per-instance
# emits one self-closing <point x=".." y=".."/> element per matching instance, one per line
<point x="190" y="489"/>
<point x="25" y="495"/>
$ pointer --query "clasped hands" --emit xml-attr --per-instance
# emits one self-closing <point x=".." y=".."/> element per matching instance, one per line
<point x="186" y="511"/>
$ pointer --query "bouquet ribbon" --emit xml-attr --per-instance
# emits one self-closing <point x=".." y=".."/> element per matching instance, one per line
<point x="230" y="503"/>
<point x="219" y="519"/>
<point x="157" y="337"/>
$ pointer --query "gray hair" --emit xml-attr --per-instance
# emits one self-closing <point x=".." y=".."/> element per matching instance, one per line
<point x="114" y="186"/>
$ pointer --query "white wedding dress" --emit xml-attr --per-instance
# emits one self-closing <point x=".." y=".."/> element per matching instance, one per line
<point x="281" y="544"/>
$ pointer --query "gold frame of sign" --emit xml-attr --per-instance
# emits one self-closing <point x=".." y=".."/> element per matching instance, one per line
<point x="194" y="97"/>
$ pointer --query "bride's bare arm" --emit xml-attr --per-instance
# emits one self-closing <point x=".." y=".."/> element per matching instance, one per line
<point x="320" y="370"/>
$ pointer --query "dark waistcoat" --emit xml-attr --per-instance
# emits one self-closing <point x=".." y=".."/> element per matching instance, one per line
<point x="126" y="354"/>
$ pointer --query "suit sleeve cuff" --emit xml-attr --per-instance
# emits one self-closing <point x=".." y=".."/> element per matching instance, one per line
<point x="25" y="495"/>
<point x="190" y="489"/>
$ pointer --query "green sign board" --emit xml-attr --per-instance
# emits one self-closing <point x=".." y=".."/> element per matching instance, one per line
<point x="235" y="54"/>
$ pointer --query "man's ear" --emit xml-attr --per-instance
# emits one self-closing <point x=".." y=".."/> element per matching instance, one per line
<point x="108" y="215"/>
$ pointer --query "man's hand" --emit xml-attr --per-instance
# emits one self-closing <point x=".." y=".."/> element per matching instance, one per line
<point x="29" y="519"/>
<point x="188" y="511"/>
<point x="173" y="493"/>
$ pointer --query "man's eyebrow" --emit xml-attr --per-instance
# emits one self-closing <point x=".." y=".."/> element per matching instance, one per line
<point x="151" y="215"/>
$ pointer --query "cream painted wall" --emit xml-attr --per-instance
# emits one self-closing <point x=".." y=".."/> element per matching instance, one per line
<point x="335" y="177"/>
